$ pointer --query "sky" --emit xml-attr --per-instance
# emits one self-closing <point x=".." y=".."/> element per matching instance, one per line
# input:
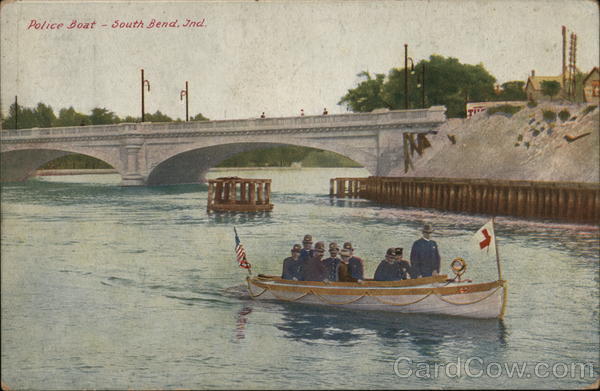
<point x="275" y="57"/>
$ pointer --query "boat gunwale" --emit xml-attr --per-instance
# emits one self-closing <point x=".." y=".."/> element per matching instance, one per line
<point x="358" y="290"/>
<point x="366" y="283"/>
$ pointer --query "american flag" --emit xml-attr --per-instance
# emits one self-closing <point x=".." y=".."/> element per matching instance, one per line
<point x="240" y="253"/>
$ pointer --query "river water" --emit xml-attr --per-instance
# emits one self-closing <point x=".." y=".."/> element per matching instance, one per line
<point x="116" y="288"/>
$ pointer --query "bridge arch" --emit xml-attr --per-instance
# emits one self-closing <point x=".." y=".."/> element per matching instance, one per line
<point x="190" y="165"/>
<point x="18" y="164"/>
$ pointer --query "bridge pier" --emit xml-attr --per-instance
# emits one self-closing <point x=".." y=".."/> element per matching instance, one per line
<point x="133" y="177"/>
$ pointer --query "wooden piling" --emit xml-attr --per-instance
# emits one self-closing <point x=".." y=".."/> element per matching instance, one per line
<point x="554" y="200"/>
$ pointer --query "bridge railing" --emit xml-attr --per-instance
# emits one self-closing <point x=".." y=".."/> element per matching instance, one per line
<point x="433" y="114"/>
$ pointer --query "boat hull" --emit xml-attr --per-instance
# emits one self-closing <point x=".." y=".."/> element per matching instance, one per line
<point x="485" y="300"/>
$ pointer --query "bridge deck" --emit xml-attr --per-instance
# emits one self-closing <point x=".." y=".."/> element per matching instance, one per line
<point x="388" y="119"/>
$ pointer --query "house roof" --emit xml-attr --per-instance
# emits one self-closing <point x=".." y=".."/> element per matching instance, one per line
<point x="536" y="81"/>
<point x="594" y="69"/>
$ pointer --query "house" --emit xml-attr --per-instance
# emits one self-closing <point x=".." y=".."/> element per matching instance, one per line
<point x="591" y="86"/>
<point x="479" y="107"/>
<point x="533" y="88"/>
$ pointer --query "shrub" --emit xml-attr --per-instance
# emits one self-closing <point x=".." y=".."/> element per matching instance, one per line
<point x="531" y="104"/>
<point x="549" y="116"/>
<point x="589" y="109"/>
<point x="506" y="109"/>
<point x="520" y="137"/>
<point x="564" y="115"/>
<point x="536" y="133"/>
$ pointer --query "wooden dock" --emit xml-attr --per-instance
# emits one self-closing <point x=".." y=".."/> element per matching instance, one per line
<point x="565" y="201"/>
<point x="235" y="194"/>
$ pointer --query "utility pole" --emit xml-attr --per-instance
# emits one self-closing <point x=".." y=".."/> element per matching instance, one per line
<point x="16" y="112"/>
<point x="406" y="76"/>
<point x="423" y="85"/>
<point x="144" y="84"/>
<point x="185" y="93"/>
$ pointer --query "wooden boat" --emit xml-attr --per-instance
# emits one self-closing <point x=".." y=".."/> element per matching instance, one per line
<point x="432" y="295"/>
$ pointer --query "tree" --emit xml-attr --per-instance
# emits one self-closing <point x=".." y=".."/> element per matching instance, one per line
<point x="447" y="82"/>
<point x="157" y="117"/>
<point x="550" y="88"/>
<point x="45" y="116"/>
<point x="199" y="117"/>
<point x="101" y="116"/>
<point x="513" y="90"/>
<point x="70" y="117"/>
<point x="367" y="96"/>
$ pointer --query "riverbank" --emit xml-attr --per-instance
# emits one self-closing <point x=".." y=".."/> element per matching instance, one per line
<point x="534" y="144"/>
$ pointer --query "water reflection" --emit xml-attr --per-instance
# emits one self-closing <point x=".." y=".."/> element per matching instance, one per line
<point x="241" y="321"/>
<point x="424" y="333"/>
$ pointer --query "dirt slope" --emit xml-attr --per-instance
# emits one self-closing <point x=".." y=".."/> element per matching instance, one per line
<point x="523" y="146"/>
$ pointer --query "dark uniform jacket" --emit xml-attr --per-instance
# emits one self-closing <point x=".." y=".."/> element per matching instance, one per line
<point x="331" y="264"/>
<point x="314" y="269"/>
<point x="425" y="257"/>
<point x="390" y="271"/>
<point x="291" y="268"/>
<point x="354" y="270"/>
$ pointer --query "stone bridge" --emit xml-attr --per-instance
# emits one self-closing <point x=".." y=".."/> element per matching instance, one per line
<point x="182" y="152"/>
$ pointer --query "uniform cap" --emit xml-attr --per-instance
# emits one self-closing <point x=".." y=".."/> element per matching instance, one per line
<point x="391" y="251"/>
<point x="333" y="246"/>
<point x="348" y="246"/>
<point x="398" y="250"/>
<point x="427" y="228"/>
<point x="307" y="239"/>
<point x="297" y="248"/>
<point x="320" y="245"/>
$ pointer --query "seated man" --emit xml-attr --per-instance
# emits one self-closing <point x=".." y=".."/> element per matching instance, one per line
<point x="390" y="269"/>
<point x="292" y="267"/>
<point x="350" y="268"/>
<point x="313" y="268"/>
<point x="306" y="251"/>
<point x="404" y="264"/>
<point x="332" y="262"/>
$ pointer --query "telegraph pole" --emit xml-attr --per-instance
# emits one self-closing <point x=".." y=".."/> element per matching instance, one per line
<point x="406" y="76"/>
<point x="16" y="112"/>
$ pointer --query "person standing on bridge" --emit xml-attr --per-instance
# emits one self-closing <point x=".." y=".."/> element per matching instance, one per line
<point x="325" y="112"/>
<point x="424" y="255"/>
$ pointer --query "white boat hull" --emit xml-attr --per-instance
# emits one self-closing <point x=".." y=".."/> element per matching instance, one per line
<point x="485" y="300"/>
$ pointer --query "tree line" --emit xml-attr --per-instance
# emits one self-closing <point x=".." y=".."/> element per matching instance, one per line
<point x="43" y="116"/>
<point x="446" y="82"/>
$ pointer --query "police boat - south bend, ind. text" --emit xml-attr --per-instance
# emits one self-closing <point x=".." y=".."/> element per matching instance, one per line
<point x="436" y="294"/>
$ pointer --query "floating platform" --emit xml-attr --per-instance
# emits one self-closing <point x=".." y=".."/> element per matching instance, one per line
<point x="234" y="194"/>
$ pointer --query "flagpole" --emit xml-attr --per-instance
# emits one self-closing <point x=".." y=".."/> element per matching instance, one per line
<point x="248" y="268"/>
<point x="497" y="254"/>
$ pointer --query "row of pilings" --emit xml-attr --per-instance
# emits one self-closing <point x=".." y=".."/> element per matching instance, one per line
<point x="566" y="201"/>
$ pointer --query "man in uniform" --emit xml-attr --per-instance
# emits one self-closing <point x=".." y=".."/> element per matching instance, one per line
<point x="313" y="269"/>
<point x="389" y="268"/>
<point x="349" y="269"/>
<point x="291" y="265"/>
<point x="306" y="247"/>
<point x="404" y="263"/>
<point x="332" y="262"/>
<point x="424" y="255"/>
<point x="355" y="264"/>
